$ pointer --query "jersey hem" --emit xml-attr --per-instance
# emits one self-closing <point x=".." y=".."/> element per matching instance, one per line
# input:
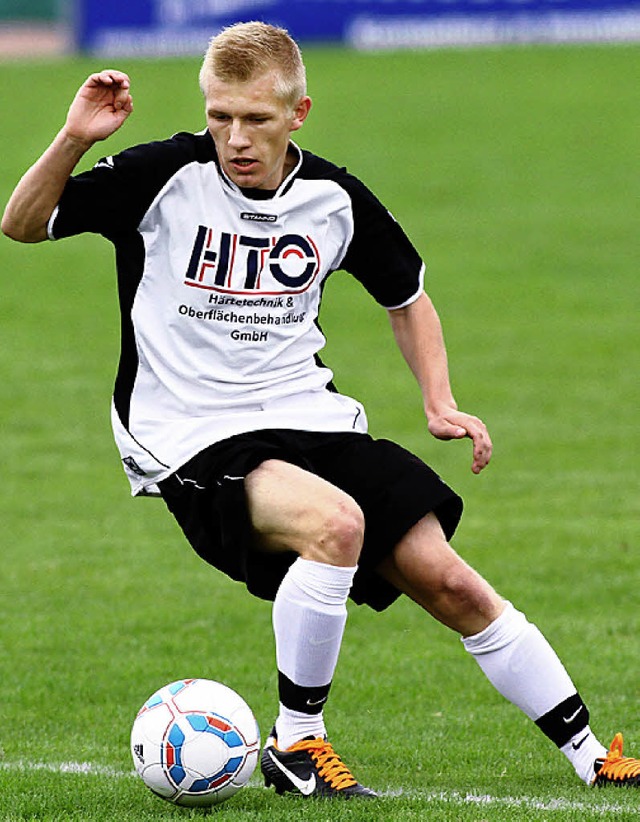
<point x="50" y="223"/>
<point x="413" y="297"/>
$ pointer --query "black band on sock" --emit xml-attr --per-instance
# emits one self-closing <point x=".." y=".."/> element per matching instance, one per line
<point x="565" y="720"/>
<point x="297" y="698"/>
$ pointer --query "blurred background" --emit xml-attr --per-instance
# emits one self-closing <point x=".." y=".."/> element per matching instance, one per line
<point x="29" y="28"/>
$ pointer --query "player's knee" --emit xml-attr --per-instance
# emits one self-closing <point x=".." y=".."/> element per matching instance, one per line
<point x="457" y="583"/>
<point x="294" y="510"/>
<point x="339" y="539"/>
<point x="468" y="598"/>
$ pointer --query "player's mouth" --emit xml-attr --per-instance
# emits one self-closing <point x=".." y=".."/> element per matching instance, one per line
<point x="243" y="164"/>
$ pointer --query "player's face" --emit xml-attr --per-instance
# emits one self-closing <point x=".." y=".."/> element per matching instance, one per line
<point x="250" y="126"/>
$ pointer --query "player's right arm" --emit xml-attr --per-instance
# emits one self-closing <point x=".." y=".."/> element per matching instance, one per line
<point x="100" y="107"/>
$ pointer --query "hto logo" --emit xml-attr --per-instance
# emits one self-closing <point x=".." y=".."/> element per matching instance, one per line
<point x="241" y="264"/>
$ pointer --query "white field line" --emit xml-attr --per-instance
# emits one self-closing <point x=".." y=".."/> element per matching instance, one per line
<point x="449" y="797"/>
<point x="87" y="768"/>
<point x="529" y="803"/>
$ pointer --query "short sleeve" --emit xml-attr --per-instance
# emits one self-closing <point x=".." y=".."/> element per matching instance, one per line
<point x="380" y="254"/>
<point x="114" y="195"/>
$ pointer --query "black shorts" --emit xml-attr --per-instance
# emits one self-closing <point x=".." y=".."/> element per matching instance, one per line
<point x="393" y="488"/>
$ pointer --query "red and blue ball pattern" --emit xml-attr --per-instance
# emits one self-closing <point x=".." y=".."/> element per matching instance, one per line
<point x="195" y="742"/>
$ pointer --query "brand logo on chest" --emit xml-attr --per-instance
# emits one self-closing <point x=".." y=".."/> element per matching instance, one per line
<point x="243" y="264"/>
<point x="258" y="218"/>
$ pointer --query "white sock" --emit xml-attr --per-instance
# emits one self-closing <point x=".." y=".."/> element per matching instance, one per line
<point x="292" y="726"/>
<point x="582" y="750"/>
<point x="309" y="616"/>
<point x="519" y="662"/>
<point x="524" y="668"/>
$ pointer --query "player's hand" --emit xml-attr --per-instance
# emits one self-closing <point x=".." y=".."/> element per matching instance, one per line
<point x="100" y="107"/>
<point x="454" y="425"/>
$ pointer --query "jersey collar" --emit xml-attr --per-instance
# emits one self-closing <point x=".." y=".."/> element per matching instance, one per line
<point x="260" y="193"/>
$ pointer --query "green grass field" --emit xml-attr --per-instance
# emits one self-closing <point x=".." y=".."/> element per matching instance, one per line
<point x="515" y="172"/>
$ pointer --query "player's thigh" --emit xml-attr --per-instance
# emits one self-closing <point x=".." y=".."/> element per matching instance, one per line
<point x="427" y="569"/>
<point x="292" y="509"/>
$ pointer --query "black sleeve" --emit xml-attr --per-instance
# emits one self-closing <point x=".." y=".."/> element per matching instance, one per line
<point x="114" y="195"/>
<point x="380" y="255"/>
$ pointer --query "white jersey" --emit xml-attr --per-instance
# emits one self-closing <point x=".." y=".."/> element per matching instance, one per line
<point x="220" y="290"/>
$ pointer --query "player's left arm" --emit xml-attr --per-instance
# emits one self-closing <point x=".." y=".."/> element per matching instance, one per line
<point x="418" y="332"/>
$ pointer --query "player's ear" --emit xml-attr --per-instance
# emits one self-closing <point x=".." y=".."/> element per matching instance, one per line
<point x="300" y="112"/>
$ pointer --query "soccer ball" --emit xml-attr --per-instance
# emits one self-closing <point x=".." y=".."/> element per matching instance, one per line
<point x="195" y="742"/>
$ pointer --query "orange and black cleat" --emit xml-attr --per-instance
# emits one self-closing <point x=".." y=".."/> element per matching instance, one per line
<point x="310" y="767"/>
<point x="617" y="769"/>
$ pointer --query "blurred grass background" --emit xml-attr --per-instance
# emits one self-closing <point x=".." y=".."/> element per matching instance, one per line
<point x="515" y="172"/>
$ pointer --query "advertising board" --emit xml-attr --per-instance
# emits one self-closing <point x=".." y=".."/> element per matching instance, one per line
<point x="173" y="27"/>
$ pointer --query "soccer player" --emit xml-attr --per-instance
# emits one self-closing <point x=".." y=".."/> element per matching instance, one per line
<point x="224" y="240"/>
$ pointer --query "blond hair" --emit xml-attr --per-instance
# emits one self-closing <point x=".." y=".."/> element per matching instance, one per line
<point x="245" y="50"/>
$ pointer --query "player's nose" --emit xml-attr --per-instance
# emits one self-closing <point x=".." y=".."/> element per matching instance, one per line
<point x="238" y="135"/>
